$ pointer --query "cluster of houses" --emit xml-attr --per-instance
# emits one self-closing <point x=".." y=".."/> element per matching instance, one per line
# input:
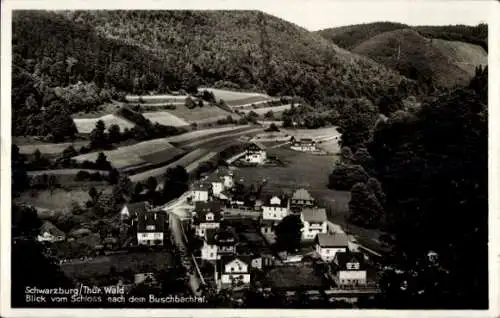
<point x="150" y="223"/>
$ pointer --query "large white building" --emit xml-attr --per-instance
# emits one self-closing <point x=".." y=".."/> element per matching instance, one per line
<point x="314" y="221"/>
<point x="255" y="154"/>
<point x="150" y="228"/>
<point x="232" y="271"/>
<point x="216" y="243"/>
<point x="275" y="208"/>
<point x="328" y="245"/>
<point x="221" y="181"/>
<point x="349" y="269"/>
<point x="206" y="215"/>
<point x="201" y="191"/>
<point x="305" y="144"/>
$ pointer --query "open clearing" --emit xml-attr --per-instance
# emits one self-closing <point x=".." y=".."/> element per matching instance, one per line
<point x="58" y="200"/>
<point x="49" y="148"/>
<point x="130" y="155"/>
<point x="86" y="125"/>
<point x="103" y="109"/>
<point x="200" y="114"/>
<point x="228" y="95"/>
<point x="263" y="110"/>
<point x="200" y="134"/>
<point x="165" y="118"/>
<point x="146" y="99"/>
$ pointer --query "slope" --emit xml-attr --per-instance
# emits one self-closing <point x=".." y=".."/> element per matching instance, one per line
<point x="444" y="63"/>
<point x="245" y="50"/>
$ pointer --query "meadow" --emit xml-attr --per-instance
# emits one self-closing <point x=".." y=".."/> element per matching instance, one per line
<point x="86" y="125"/>
<point x="50" y="148"/>
<point x="165" y="118"/>
<point x="203" y="114"/>
<point x="229" y="96"/>
<point x="263" y="110"/>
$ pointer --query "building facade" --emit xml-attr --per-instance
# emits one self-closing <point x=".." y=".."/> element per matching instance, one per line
<point x="151" y="228"/>
<point x="328" y="245"/>
<point x="275" y="208"/>
<point x="314" y="222"/>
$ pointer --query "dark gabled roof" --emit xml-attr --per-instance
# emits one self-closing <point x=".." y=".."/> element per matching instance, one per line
<point x="342" y="258"/>
<point x="332" y="240"/>
<point x="202" y="208"/>
<point x="49" y="227"/>
<point x="316" y="215"/>
<point x="272" y="223"/>
<point x="306" y="140"/>
<point x="210" y="236"/>
<point x="302" y="194"/>
<point x="254" y="147"/>
<point x="203" y="185"/>
<point x="156" y="218"/>
<point x="137" y="208"/>
<point x="283" y="198"/>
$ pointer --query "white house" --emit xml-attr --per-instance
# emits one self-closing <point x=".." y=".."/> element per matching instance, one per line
<point x="232" y="271"/>
<point x="209" y="248"/>
<point x="207" y="215"/>
<point x="328" y="245"/>
<point x="305" y="144"/>
<point x="217" y="243"/>
<point x="349" y="269"/>
<point x="255" y="154"/>
<point x="133" y="210"/>
<point x="221" y="181"/>
<point x="50" y="233"/>
<point x="314" y="221"/>
<point x="302" y="198"/>
<point x="275" y="208"/>
<point x="201" y="191"/>
<point x="151" y="228"/>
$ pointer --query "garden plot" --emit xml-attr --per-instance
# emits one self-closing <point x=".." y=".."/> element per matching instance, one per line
<point x="86" y="125"/>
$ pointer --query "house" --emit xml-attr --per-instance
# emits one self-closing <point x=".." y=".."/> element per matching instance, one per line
<point x="209" y="248"/>
<point x="217" y="243"/>
<point x="255" y="154"/>
<point x="328" y="245"/>
<point x="206" y="215"/>
<point x="151" y="228"/>
<point x="304" y="144"/>
<point x="50" y="233"/>
<point x="302" y="198"/>
<point x="201" y="191"/>
<point x="133" y="210"/>
<point x="232" y="271"/>
<point x="221" y="181"/>
<point x="349" y="269"/>
<point x="275" y="208"/>
<point x="314" y="221"/>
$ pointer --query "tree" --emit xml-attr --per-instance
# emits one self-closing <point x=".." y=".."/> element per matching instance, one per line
<point x="364" y="207"/>
<point x="176" y="182"/>
<point x="93" y="194"/>
<point x="67" y="154"/>
<point x="138" y="188"/>
<point x="114" y="134"/>
<point x="102" y="162"/>
<point x="189" y="103"/>
<point x="346" y="156"/>
<point x="113" y="176"/>
<point x="151" y="184"/>
<point x="125" y="186"/>
<point x="273" y="128"/>
<point x="200" y="103"/>
<point x="376" y="188"/>
<point x="98" y="136"/>
<point x="269" y="115"/>
<point x="288" y="233"/>
<point x="344" y="177"/>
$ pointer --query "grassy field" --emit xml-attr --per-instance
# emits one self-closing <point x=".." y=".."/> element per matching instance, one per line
<point x="50" y="148"/>
<point x="58" y="200"/>
<point x="294" y="276"/>
<point x="135" y="262"/>
<point x="215" y="140"/>
<point x="132" y="155"/>
<point x="165" y="118"/>
<point x="229" y="96"/>
<point x="201" y="114"/>
<point x="320" y="133"/>
<point x="250" y="102"/>
<point x="192" y="135"/>
<point x="147" y="99"/>
<point x="103" y="110"/>
<point x="263" y="110"/>
<point x="86" y="125"/>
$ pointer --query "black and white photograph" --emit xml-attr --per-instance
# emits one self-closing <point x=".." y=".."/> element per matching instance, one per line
<point x="315" y="154"/>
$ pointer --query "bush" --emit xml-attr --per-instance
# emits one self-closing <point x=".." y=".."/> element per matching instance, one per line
<point x="82" y="175"/>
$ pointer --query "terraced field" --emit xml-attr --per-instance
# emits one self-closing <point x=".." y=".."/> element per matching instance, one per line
<point x="263" y="110"/>
<point x="154" y="99"/>
<point x="201" y="114"/>
<point x="86" y="125"/>
<point x="165" y="118"/>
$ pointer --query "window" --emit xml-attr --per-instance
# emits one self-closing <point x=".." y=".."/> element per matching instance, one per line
<point x="231" y="269"/>
<point x="211" y="255"/>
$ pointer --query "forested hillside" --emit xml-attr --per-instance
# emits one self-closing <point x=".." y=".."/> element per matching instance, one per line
<point x="351" y="36"/>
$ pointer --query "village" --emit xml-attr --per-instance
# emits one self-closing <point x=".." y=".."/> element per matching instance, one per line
<point x="225" y="236"/>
